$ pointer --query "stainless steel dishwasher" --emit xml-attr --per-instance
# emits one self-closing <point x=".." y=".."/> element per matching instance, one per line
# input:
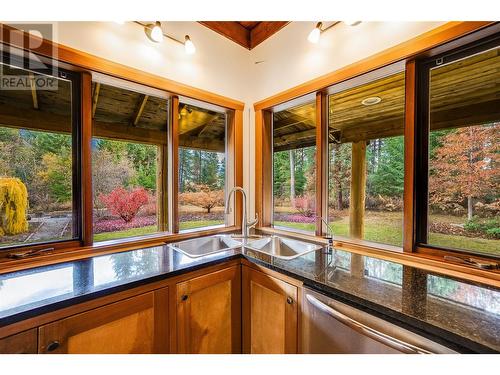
<point x="330" y="326"/>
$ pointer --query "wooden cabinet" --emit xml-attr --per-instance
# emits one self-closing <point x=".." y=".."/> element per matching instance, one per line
<point x="20" y="343"/>
<point x="134" y="325"/>
<point x="209" y="313"/>
<point x="270" y="314"/>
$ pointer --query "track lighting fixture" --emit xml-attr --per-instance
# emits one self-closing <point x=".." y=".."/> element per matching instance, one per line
<point x="155" y="33"/>
<point x="352" y="23"/>
<point x="315" y="33"/>
<point x="189" y="45"/>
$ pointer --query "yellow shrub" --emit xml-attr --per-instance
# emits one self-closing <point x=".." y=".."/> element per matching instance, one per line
<point x="13" y="206"/>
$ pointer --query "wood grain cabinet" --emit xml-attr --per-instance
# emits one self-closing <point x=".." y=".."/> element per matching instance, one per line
<point x="270" y="314"/>
<point x="135" y="325"/>
<point x="20" y="343"/>
<point x="209" y="313"/>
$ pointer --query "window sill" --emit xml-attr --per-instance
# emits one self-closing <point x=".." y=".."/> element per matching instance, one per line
<point x="106" y="247"/>
<point x="390" y="253"/>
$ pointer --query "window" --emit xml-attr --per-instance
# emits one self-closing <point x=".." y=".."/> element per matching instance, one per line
<point x="39" y="132"/>
<point x="366" y="158"/>
<point x="128" y="159"/>
<point x="294" y="168"/>
<point x="202" y="167"/>
<point x="461" y="136"/>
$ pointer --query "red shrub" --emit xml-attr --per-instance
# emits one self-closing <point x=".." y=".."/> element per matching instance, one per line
<point x="306" y="205"/>
<point x="123" y="203"/>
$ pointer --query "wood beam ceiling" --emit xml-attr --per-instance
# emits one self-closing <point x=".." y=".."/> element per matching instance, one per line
<point x="247" y="34"/>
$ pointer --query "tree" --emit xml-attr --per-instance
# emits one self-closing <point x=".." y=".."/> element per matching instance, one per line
<point x="57" y="176"/>
<point x="13" y="206"/>
<point x="108" y="172"/>
<point x="465" y="166"/>
<point x="340" y="173"/>
<point x="125" y="204"/>
<point x="203" y="197"/>
<point x="386" y="168"/>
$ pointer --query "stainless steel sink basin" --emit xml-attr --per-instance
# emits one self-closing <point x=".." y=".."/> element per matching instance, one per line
<point x="202" y="246"/>
<point x="281" y="247"/>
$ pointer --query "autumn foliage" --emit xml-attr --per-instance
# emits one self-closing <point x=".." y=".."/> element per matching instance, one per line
<point x="13" y="206"/>
<point x="203" y="197"/>
<point x="123" y="203"/>
<point x="464" y="166"/>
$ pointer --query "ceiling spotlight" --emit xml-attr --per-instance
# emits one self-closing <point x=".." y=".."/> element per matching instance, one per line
<point x="189" y="45"/>
<point x="315" y="33"/>
<point x="352" y="23"/>
<point x="154" y="32"/>
<point x="372" y="100"/>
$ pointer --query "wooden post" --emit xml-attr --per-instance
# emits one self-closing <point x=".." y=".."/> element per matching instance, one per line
<point x="162" y="188"/>
<point x="357" y="202"/>
<point x="321" y="162"/>
<point x="86" y="160"/>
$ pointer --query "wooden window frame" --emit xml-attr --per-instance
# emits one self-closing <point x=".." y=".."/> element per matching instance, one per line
<point x="421" y="130"/>
<point x="430" y="44"/>
<point x="84" y="64"/>
<point x="77" y="149"/>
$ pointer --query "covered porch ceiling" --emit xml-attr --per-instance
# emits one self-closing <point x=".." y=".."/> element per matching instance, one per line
<point x="463" y="93"/>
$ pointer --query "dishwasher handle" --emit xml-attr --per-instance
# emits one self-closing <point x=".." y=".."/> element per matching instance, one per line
<point x="365" y="330"/>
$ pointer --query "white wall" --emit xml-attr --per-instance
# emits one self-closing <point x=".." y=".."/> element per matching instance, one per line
<point x="225" y="68"/>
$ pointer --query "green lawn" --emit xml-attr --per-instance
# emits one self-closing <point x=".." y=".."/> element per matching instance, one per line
<point x="135" y="232"/>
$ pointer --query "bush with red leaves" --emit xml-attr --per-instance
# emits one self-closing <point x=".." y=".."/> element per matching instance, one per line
<point x="124" y="203"/>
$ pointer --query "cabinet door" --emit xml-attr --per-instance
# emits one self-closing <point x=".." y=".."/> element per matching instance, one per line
<point x="269" y="314"/>
<point x="209" y="313"/>
<point x="135" y="325"/>
<point x="20" y="343"/>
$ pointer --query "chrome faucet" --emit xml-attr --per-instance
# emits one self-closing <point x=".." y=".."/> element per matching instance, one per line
<point x="245" y="225"/>
<point x="329" y="231"/>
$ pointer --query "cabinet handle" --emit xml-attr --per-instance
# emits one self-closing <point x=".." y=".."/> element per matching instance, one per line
<point x="184" y="297"/>
<point x="53" y="346"/>
<point x="289" y="300"/>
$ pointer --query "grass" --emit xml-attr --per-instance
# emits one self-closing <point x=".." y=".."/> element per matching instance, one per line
<point x="135" y="232"/>
<point x="387" y="228"/>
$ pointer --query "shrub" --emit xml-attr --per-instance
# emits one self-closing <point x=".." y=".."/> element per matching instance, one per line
<point x="123" y="203"/>
<point x="13" y="206"/>
<point x="205" y="198"/>
<point x="490" y="228"/>
<point x="113" y="225"/>
<point x="306" y="205"/>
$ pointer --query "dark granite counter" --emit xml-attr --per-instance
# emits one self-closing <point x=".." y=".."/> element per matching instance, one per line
<point x="463" y="316"/>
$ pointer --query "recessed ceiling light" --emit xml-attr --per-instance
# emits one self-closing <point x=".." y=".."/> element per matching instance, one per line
<point x="372" y="100"/>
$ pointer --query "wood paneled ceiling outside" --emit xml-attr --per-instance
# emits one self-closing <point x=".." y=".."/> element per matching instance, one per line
<point x="247" y="34"/>
<point x="463" y="93"/>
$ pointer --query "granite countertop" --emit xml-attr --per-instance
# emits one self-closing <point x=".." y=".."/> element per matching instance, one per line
<point x="453" y="312"/>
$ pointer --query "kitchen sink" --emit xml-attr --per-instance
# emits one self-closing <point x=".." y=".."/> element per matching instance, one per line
<point x="280" y="247"/>
<point x="199" y="247"/>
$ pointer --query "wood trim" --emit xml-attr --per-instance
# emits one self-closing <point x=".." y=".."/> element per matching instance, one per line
<point x="405" y="50"/>
<point x="321" y="162"/>
<point x="75" y="251"/>
<point x="264" y="30"/>
<point x="409" y="203"/>
<point x="83" y="60"/>
<point x="231" y="30"/>
<point x="174" y="165"/>
<point x="237" y="129"/>
<point x="86" y="160"/>
<point x="263" y="167"/>
<point x="161" y="320"/>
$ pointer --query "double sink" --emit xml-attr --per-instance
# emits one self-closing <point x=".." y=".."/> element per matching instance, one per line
<point x="276" y="246"/>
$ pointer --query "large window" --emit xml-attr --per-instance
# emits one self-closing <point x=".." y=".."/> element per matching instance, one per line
<point x="366" y="159"/>
<point x="294" y="168"/>
<point x="202" y="167"/>
<point x="38" y="157"/>
<point x="128" y="152"/>
<point x="462" y="137"/>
